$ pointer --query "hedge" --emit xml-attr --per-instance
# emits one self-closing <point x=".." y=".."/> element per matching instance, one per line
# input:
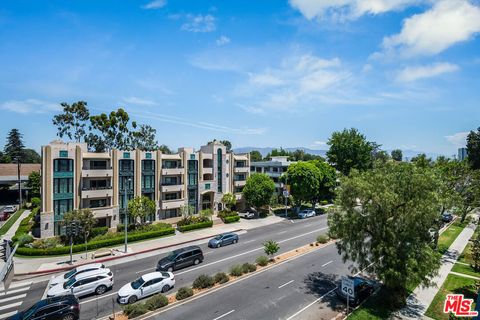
<point x="231" y="219"/>
<point x="94" y="244"/>
<point x="201" y="225"/>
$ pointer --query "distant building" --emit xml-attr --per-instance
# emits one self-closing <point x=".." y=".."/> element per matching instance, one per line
<point x="462" y="154"/>
<point x="274" y="168"/>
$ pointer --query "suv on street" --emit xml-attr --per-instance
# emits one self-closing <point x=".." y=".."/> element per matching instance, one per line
<point x="100" y="268"/>
<point x="146" y="285"/>
<point x="223" y="239"/>
<point x="56" y="308"/>
<point x="306" y="213"/>
<point x="363" y="288"/>
<point x="83" y="284"/>
<point x="181" y="258"/>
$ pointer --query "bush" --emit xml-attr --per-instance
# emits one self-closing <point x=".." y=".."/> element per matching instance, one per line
<point x="95" y="232"/>
<point x="184" y="293"/>
<point x="248" y="267"/>
<point x="203" y="281"/>
<point x="225" y="213"/>
<point x="36" y="202"/>
<point x="191" y="220"/>
<point x="221" y="277"/>
<point x="231" y="219"/>
<point x="322" y="238"/>
<point x="47" y="243"/>
<point x="332" y="235"/>
<point x="200" y="225"/>
<point x="271" y="247"/>
<point x="324" y="202"/>
<point x="144" y="228"/>
<point x="25" y="225"/>
<point x="134" y="310"/>
<point x="262" y="261"/>
<point x="156" y="302"/>
<point x="236" y="270"/>
<point x="24" y="239"/>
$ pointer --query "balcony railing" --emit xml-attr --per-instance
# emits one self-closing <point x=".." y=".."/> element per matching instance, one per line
<point x="96" y="188"/>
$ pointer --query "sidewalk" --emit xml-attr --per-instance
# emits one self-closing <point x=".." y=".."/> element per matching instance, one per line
<point x="419" y="301"/>
<point x="11" y="232"/>
<point x="136" y="250"/>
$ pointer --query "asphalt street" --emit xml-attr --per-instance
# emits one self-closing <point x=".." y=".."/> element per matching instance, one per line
<point x="289" y="235"/>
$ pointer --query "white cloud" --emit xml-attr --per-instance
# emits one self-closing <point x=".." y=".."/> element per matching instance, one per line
<point x="348" y="9"/>
<point x="409" y="74"/>
<point x="30" y="106"/>
<point x="223" y="40"/>
<point x="139" y="101"/>
<point x="250" y="109"/>
<point x="447" y="23"/>
<point x="319" y="143"/>
<point x="458" y="139"/>
<point x="199" y="23"/>
<point x="156" y="4"/>
<point x="265" y="79"/>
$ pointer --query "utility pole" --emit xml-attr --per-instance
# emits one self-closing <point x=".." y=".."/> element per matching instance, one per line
<point x="19" y="183"/>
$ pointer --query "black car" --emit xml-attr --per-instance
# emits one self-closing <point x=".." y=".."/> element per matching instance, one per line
<point x="181" y="258"/>
<point x="56" y="308"/>
<point x="447" y="217"/>
<point x="363" y="288"/>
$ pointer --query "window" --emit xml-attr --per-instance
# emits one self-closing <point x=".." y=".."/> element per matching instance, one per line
<point x="169" y="181"/>
<point x="148" y="283"/>
<point x="148" y="182"/>
<point x="148" y="165"/>
<point x="63" y="165"/>
<point x="148" y="155"/>
<point x="192" y="157"/>
<point x="98" y="203"/>
<point x="126" y="155"/>
<point x="171" y="196"/>
<point x="219" y="170"/>
<point x="170" y="164"/>
<point x="62" y="185"/>
<point x="63" y="154"/>
<point x="62" y="206"/>
<point x="98" y="164"/>
<point x="47" y="311"/>
<point x="126" y="165"/>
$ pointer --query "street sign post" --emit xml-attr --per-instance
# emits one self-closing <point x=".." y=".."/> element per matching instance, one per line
<point x="6" y="274"/>
<point x="348" y="289"/>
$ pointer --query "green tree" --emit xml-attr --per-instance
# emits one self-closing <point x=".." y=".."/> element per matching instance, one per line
<point x="270" y="248"/>
<point x="328" y="180"/>
<point x="14" y="147"/>
<point x="30" y="156"/>
<point x="304" y="181"/>
<point x="187" y="211"/>
<point x="473" y="149"/>
<point x="141" y="207"/>
<point x="165" y="149"/>
<point x="382" y="218"/>
<point x="258" y="190"/>
<point x="381" y="156"/>
<point x="229" y="200"/>
<point x="73" y="121"/>
<point x="397" y="155"/>
<point x="421" y="160"/>
<point x="84" y="217"/>
<point x="144" y="138"/>
<point x="226" y="143"/>
<point x="34" y="183"/>
<point x="476" y="254"/>
<point x="255" y="156"/>
<point x="349" y="150"/>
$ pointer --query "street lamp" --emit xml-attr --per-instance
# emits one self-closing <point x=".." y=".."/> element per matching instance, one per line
<point x="125" y="203"/>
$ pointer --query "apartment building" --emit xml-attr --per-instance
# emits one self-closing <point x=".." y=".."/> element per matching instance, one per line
<point x="274" y="168"/>
<point x="74" y="178"/>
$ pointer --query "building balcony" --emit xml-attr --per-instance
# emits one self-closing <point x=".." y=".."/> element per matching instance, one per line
<point x="207" y="170"/>
<point x="172" y="204"/>
<point x="103" y="212"/>
<point x="97" y="173"/>
<point x="241" y="170"/>
<point x="97" y="193"/>
<point x="172" y="171"/>
<point x="243" y="157"/>
<point x="172" y="188"/>
<point x="239" y="183"/>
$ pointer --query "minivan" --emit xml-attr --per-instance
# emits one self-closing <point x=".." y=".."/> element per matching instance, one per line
<point x="181" y="258"/>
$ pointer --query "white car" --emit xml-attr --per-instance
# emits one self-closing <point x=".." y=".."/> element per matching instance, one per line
<point x="9" y="209"/>
<point x="145" y="286"/>
<point x="76" y="271"/>
<point x="247" y="215"/>
<point x="83" y="284"/>
<point x="307" y="213"/>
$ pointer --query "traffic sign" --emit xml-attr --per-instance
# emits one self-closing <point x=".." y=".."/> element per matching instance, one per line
<point x="348" y="287"/>
<point x="285" y="193"/>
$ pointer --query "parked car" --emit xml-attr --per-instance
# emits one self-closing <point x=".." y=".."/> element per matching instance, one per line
<point x="100" y="268"/>
<point x="83" y="284"/>
<point x="306" y="213"/>
<point x="9" y="209"/>
<point x="363" y="288"/>
<point x="223" y="240"/>
<point x="447" y="217"/>
<point x="56" y="308"/>
<point x="145" y="286"/>
<point x="181" y="258"/>
<point x="4" y="216"/>
<point x="247" y="214"/>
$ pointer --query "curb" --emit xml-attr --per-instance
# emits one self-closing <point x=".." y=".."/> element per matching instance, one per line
<point x="115" y="257"/>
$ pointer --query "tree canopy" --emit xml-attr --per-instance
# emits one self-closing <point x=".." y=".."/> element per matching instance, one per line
<point x="258" y="190"/>
<point x="141" y="207"/>
<point x="84" y="217"/>
<point x="73" y="122"/>
<point x="229" y="200"/>
<point x="14" y="147"/>
<point x="473" y="148"/>
<point x="297" y="155"/>
<point x="304" y="181"/>
<point x="397" y="155"/>
<point x="34" y="183"/>
<point x="255" y="156"/>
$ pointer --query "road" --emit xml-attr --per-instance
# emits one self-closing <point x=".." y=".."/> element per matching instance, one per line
<point x="289" y="235"/>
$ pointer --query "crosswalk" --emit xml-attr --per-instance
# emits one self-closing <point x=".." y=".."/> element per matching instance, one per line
<point x="11" y="300"/>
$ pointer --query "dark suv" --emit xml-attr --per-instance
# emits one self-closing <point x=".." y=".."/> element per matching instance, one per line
<point x="57" y="308"/>
<point x="181" y="258"/>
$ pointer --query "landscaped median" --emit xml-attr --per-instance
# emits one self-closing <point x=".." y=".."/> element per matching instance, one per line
<point x="204" y="284"/>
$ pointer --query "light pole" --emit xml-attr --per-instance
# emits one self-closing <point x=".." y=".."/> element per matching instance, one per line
<point x="125" y="203"/>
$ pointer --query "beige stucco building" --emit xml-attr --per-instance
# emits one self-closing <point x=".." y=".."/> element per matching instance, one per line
<point x="73" y="178"/>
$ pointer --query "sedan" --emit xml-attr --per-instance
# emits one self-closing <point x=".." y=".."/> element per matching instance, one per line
<point x="223" y="239"/>
<point x="9" y="209"/>
<point x="307" y="213"/>
<point x="146" y="285"/>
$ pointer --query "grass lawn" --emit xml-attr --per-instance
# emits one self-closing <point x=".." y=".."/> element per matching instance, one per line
<point x="449" y="235"/>
<point x="466" y="256"/>
<point x="453" y="284"/>
<point x="461" y="268"/>
<point x="11" y="221"/>
<point x="373" y="308"/>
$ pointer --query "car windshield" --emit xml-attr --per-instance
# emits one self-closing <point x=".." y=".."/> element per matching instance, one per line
<point x="70" y="273"/>
<point x="69" y="283"/>
<point x="165" y="274"/>
<point x="219" y="237"/>
<point x="137" y="283"/>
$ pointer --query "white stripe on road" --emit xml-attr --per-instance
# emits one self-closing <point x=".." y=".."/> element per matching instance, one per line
<point x="13" y="291"/>
<point x="245" y="242"/>
<point x="282" y="232"/>
<point x="224" y="315"/>
<point x="20" y="296"/>
<point x="8" y="314"/>
<point x="283" y="285"/>
<point x="325" y="264"/>
<point x="311" y="304"/>
<point x="18" y="284"/>
<point x="11" y="305"/>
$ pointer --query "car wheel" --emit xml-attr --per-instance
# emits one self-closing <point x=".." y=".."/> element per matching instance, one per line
<point x="218" y="245"/>
<point x="235" y="240"/>
<point x="170" y="269"/>
<point x="132" y="299"/>
<point x="100" y="290"/>
<point x="68" y="317"/>
<point x="196" y="262"/>
<point x="165" y="288"/>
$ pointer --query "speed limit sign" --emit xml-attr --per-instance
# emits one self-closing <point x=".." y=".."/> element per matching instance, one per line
<point x="348" y="287"/>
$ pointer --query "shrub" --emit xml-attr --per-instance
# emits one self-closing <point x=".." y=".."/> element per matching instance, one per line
<point x="24" y="239"/>
<point x="231" y="219"/>
<point x="271" y="247"/>
<point x="135" y="310"/>
<point x="221" y="277"/>
<point x="36" y="202"/>
<point x="324" y="202"/>
<point x="203" y="281"/>
<point x="248" y="267"/>
<point x="332" y="235"/>
<point x="225" y="213"/>
<point x="95" y="232"/>
<point x="200" y="225"/>
<point x="47" y="243"/>
<point x="184" y="293"/>
<point x="156" y="302"/>
<point x="322" y="238"/>
<point x="236" y="270"/>
<point x="262" y="261"/>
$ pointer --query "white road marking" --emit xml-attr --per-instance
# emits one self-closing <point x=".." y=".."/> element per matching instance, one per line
<point x="224" y="315"/>
<point x="19" y="284"/>
<point x="13" y="291"/>
<point x="11" y="305"/>
<point x="46" y="289"/>
<point x="282" y="232"/>
<point x="8" y="314"/>
<point x="283" y="285"/>
<point x="323" y="265"/>
<point x="311" y="304"/>
<point x="249" y="241"/>
<point x="20" y="296"/>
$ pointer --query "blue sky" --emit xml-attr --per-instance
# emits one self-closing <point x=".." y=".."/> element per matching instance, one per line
<point x="259" y="73"/>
